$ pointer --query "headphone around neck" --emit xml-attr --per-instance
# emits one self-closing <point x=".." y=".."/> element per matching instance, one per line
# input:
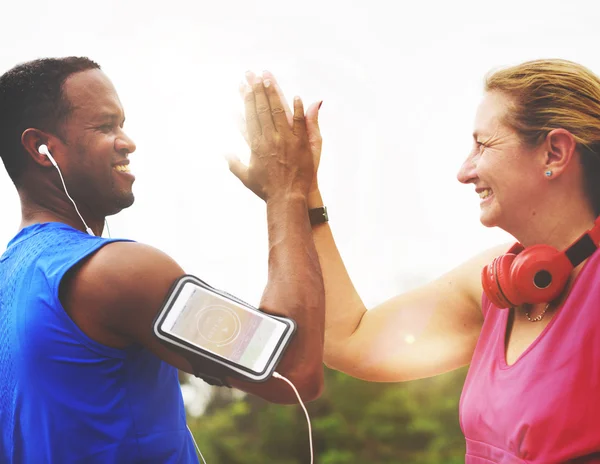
<point x="536" y="274"/>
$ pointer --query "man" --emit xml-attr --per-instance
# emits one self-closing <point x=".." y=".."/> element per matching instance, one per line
<point x="82" y="377"/>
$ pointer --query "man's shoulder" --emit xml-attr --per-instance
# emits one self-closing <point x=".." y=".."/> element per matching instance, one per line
<point x="122" y="284"/>
<point x="50" y="250"/>
<point x="128" y="260"/>
<point x="123" y="273"/>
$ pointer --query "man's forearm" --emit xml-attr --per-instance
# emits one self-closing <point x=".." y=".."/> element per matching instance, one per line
<point x="295" y="288"/>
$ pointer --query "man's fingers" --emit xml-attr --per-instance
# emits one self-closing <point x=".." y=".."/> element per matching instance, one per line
<point x="284" y="104"/>
<point x="241" y="123"/>
<point x="250" y="77"/>
<point x="239" y="169"/>
<point x="242" y="90"/>
<point x="263" y="108"/>
<point x="299" y="123"/>
<point x="277" y="112"/>
<point x="252" y="125"/>
<point x="271" y="109"/>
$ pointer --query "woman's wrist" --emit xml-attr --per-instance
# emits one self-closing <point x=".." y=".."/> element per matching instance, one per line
<point x="314" y="199"/>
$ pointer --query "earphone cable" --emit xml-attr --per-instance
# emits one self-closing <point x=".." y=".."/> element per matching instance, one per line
<point x="87" y="229"/>
<point x="195" y="444"/>
<point x="279" y="376"/>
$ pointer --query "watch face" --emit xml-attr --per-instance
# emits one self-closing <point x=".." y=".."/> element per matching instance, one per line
<point x="318" y="215"/>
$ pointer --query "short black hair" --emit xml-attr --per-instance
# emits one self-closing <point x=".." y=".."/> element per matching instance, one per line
<point x="31" y="96"/>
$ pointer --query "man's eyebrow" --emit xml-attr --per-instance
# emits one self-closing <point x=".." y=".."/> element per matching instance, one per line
<point x="108" y="115"/>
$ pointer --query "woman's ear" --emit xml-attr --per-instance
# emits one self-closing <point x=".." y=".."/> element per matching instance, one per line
<point x="560" y="150"/>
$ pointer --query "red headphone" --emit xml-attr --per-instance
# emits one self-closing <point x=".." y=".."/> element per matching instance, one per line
<point x="537" y="274"/>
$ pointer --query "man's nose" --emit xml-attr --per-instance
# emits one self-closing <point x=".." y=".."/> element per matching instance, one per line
<point x="124" y="144"/>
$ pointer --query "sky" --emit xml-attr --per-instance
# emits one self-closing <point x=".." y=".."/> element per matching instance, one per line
<point x="400" y="84"/>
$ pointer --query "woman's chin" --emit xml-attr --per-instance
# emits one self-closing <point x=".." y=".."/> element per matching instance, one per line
<point x="487" y="219"/>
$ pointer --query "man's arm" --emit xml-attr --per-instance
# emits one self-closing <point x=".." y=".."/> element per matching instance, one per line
<point x="115" y="295"/>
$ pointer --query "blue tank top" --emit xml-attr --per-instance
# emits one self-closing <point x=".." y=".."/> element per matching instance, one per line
<point x="65" y="398"/>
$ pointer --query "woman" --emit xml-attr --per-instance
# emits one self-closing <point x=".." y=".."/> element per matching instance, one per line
<point x="532" y="338"/>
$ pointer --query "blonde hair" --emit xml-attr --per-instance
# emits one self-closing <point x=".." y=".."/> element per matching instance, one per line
<point x="552" y="94"/>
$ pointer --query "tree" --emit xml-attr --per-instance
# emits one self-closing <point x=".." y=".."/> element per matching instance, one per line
<point x="354" y="421"/>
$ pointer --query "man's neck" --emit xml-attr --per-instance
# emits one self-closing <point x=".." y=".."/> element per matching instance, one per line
<point x="34" y="212"/>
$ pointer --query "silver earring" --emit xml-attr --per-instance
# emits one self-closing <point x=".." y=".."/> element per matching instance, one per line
<point x="548" y="173"/>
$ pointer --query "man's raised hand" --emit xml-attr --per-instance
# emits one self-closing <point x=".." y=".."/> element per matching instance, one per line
<point x="267" y="111"/>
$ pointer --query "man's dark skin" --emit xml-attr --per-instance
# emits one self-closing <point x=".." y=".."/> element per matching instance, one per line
<point x="114" y="295"/>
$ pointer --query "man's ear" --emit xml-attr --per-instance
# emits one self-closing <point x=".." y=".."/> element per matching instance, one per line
<point x="31" y="139"/>
<point x="560" y="151"/>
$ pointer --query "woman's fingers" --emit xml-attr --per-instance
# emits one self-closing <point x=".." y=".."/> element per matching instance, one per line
<point x="312" y="127"/>
<point x="299" y="122"/>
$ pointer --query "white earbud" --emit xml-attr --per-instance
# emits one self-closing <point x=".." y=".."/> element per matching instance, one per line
<point x="43" y="150"/>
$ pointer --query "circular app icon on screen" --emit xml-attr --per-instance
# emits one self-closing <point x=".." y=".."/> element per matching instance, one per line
<point x="219" y="325"/>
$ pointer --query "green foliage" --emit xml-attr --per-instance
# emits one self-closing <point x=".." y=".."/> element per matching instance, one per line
<point x="353" y="421"/>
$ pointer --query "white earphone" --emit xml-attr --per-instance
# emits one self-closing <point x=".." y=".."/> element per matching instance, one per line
<point x="43" y="150"/>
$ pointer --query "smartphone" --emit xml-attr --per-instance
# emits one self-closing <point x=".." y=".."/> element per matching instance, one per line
<point x="218" y="326"/>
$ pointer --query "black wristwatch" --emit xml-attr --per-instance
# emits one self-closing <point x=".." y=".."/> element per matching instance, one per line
<point x="318" y="215"/>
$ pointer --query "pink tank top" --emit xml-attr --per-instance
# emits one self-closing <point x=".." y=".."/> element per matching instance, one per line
<point x="544" y="408"/>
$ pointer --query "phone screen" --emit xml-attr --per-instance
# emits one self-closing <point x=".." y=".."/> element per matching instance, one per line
<point x="224" y="327"/>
